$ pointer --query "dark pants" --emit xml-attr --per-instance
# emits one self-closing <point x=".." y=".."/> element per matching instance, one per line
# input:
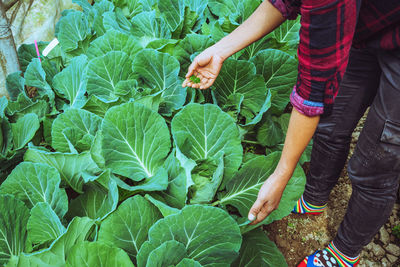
<point x="372" y="79"/>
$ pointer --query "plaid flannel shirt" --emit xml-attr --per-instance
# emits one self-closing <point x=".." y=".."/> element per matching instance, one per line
<point x="328" y="29"/>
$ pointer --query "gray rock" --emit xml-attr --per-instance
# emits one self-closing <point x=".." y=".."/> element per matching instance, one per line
<point x="384" y="236"/>
<point x="371" y="264"/>
<point x="369" y="247"/>
<point x="396" y="207"/>
<point x="378" y="251"/>
<point x="392" y="221"/>
<point x="392" y="258"/>
<point x="386" y="263"/>
<point x="393" y="249"/>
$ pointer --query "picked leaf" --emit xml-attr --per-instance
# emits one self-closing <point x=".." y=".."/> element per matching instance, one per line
<point x="195" y="79"/>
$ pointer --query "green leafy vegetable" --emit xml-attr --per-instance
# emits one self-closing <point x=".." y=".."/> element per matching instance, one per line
<point x="194" y="79"/>
<point x="106" y="160"/>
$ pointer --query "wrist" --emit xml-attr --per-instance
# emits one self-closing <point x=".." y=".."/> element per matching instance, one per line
<point x="223" y="49"/>
<point x="284" y="171"/>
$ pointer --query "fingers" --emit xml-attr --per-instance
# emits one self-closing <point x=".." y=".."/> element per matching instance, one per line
<point x="191" y="69"/>
<point x="255" y="209"/>
<point x="205" y="82"/>
<point x="265" y="211"/>
<point x="259" y="211"/>
<point x="208" y="84"/>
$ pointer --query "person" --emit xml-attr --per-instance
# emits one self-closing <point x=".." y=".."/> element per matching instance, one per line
<point x="354" y="46"/>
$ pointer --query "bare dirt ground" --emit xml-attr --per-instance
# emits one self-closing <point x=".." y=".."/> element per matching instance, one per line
<point x="298" y="236"/>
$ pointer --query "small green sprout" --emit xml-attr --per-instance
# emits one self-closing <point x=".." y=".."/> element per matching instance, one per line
<point x="194" y="79"/>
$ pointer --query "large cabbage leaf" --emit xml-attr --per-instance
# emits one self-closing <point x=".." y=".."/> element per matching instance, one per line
<point x="55" y="256"/>
<point x="211" y="246"/>
<point x="136" y="141"/>
<point x="113" y="40"/>
<point x="238" y="85"/>
<point x="201" y="132"/>
<point x="160" y="71"/>
<point x="44" y="225"/>
<point x="74" y="131"/>
<point x="73" y="28"/>
<point x="258" y="250"/>
<point x="243" y="189"/>
<point x="97" y="254"/>
<point x="279" y="70"/>
<point x="24" y="130"/>
<point x="13" y="219"/>
<point x="110" y="76"/>
<point x="71" y="82"/>
<point x="98" y="201"/>
<point x="74" y="169"/>
<point x="128" y="226"/>
<point x="148" y="27"/>
<point x="34" y="183"/>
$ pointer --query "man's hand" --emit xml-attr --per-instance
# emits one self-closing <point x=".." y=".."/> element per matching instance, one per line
<point x="268" y="198"/>
<point x="205" y="66"/>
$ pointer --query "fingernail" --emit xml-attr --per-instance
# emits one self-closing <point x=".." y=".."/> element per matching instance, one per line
<point x="252" y="217"/>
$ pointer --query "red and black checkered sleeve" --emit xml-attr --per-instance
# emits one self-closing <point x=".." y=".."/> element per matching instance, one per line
<point x="327" y="29"/>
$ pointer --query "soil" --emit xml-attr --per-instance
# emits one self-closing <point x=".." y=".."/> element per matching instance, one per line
<point x="298" y="236"/>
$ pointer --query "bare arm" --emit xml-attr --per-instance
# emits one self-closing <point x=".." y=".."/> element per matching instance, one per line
<point x="300" y="131"/>
<point x="263" y="21"/>
<point x="208" y="64"/>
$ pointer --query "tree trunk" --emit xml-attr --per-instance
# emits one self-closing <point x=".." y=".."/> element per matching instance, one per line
<point x="8" y="4"/>
<point x="8" y="54"/>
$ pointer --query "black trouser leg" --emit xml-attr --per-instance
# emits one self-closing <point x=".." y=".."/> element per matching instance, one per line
<point x="374" y="169"/>
<point x="333" y="136"/>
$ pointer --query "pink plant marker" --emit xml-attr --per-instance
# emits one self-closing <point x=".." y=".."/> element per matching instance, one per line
<point x="37" y="51"/>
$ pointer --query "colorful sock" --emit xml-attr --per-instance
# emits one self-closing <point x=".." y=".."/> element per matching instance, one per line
<point x="343" y="260"/>
<point x="329" y="257"/>
<point x="302" y="207"/>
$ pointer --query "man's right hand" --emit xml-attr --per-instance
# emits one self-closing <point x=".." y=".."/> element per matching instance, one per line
<point x="205" y="66"/>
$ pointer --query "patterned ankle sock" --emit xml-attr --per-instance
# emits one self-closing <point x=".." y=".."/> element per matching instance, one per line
<point x="302" y="207"/>
<point x="329" y="257"/>
<point x="341" y="259"/>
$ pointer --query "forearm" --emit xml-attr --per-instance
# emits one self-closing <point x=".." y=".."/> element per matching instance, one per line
<point x="300" y="131"/>
<point x="263" y="21"/>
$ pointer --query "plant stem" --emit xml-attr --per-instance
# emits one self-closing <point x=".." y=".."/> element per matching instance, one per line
<point x="250" y="142"/>
<point x="215" y="203"/>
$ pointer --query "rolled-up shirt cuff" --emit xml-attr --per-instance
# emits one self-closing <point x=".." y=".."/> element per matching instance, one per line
<point x="304" y="106"/>
<point x="287" y="11"/>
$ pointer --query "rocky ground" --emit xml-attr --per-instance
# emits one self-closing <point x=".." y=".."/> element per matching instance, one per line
<point x="298" y="236"/>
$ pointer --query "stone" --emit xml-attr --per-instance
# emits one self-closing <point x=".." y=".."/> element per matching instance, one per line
<point x="371" y="264"/>
<point x="378" y="251"/>
<point x="392" y="221"/>
<point x="392" y="258"/>
<point x="369" y="247"/>
<point x="396" y="207"/>
<point x="385" y="263"/>
<point x="384" y="236"/>
<point x="393" y="249"/>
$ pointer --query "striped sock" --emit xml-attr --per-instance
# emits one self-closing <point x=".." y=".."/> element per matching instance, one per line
<point x="302" y="207"/>
<point x="329" y="257"/>
<point x="341" y="259"/>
